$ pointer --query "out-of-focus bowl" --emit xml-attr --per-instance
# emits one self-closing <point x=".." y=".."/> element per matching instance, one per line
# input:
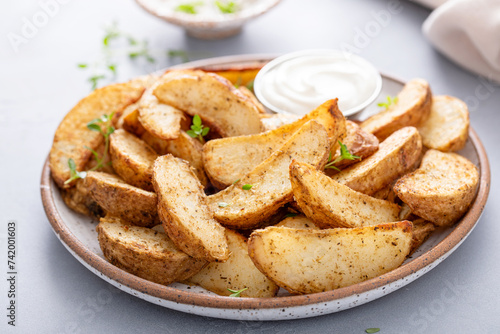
<point x="208" y="23"/>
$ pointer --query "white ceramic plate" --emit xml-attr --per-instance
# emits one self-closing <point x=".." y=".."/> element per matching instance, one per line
<point x="78" y="235"/>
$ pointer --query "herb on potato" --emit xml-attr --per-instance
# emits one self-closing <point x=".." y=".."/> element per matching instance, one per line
<point x="198" y="130"/>
<point x="344" y="155"/>
<point x="236" y="293"/>
<point x="247" y="187"/>
<point x="390" y="101"/>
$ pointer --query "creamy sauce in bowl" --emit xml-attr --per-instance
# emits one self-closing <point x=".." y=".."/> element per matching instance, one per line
<point x="297" y="83"/>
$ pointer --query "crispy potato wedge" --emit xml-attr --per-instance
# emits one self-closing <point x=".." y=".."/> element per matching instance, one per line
<point x="358" y="142"/>
<point x="72" y="135"/>
<point x="411" y="109"/>
<point x="184" y="214"/>
<point x="161" y="120"/>
<point x="308" y="261"/>
<point x="396" y="156"/>
<point x="331" y="204"/>
<point x="270" y="180"/>
<point x="422" y="229"/>
<point x="447" y="127"/>
<point x="299" y="221"/>
<point x="122" y="200"/>
<point x="145" y="253"/>
<point x="132" y="159"/>
<point x="237" y="273"/>
<point x="238" y="76"/>
<point x="442" y="189"/>
<point x="274" y="121"/>
<point x="252" y="98"/>
<point x="105" y="165"/>
<point x="228" y="159"/>
<point x="183" y="147"/>
<point x="79" y="199"/>
<point x="221" y="106"/>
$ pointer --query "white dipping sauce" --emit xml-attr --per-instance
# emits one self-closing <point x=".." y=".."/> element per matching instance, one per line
<point x="300" y="82"/>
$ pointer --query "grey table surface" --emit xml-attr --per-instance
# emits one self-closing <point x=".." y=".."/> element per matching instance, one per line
<point x="40" y="82"/>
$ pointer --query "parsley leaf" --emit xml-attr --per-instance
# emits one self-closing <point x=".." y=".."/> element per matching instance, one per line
<point x="344" y="155"/>
<point x="247" y="187"/>
<point x="198" y="130"/>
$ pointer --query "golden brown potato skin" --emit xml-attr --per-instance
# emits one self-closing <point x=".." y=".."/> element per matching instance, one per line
<point x="79" y="199"/>
<point x="442" y="189"/>
<point x="123" y="200"/>
<point x="299" y="221"/>
<point x="396" y="156"/>
<point x="72" y="135"/>
<point x="184" y="213"/>
<point x="412" y="108"/>
<point x="422" y="229"/>
<point x="330" y="204"/>
<point x="220" y="105"/>
<point x="145" y="253"/>
<point x="229" y="159"/>
<point x="309" y="261"/>
<point x="132" y="159"/>
<point x="270" y="180"/>
<point x="237" y="273"/>
<point x="447" y="127"/>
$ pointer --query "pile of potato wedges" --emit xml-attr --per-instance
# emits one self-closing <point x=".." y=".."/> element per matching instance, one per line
<point x="261" y="201"/>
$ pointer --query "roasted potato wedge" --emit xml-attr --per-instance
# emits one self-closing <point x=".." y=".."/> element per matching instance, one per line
<point x="238" y="76"/>
<point x="239" y="207"/>
<point x="442" y="189"/>
<point x="308" y="261"/>
<point x="274" y="121"/>
<point x="331" y="204"/>
<point x="145" y="253"/>
<point x="219" y="104"/>
<point x="161" y="120"/>
<point x="422" y="229"/>
<point x="447" y="127"/>
<point x="183" y="147"/>
<point x="413" y="107"/>
<point x="72" y="135"/>
<point x="237" y="273"/>
<point x="396" y="156"/>
<point x="299" y="221"/>
<point x="79" y="199"/>
<point x="252" y="98"/>
<point x="132" y="159"/>
<point x="184" y="213"/>
<point x="228" y="159"/>
<point x="123" y="200"/>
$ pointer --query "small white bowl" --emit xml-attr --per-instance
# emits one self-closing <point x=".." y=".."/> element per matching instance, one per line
<point x="209" y="23"/>
<point x="298" y="82"/>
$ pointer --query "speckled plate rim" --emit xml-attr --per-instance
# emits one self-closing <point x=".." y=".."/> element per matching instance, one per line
<point x="400" y="276"/>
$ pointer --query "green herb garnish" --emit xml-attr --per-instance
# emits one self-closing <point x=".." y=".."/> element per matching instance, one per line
<point x="390" y="101"/>
<point x="250" y="85"/>
<point x="227" y="8"/>
<point x="188" y="8"/>
<point x="247" y="187"/>
<point x="344" y="155"/>
<point x="104" y="127"/>
<point x="236" y="181"/>
<point x="236" y="293"/>
<point x="198" y="130"/>
<point x="372" y="330"/>
<point x="183" y="55"/>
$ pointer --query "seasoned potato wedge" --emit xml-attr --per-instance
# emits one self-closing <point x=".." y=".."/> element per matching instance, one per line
<point x="145" y="253"/>
<point x="132" y="159"/>
<point x="442" y="189"/>
<point x="274" y="121"/>
<point x="242" y="208"/>
<point x="331" y="204"/>
<point x="123" y="200"/>
<point x="309" y="261"/>
<point x="395" y="157"/>
<point x="358" y="142"/>
<point x="221" y="106"/>
<point x="228" y="159"/>
<point x="447" y="127"/>
<point x="183" y="147"/>
<point x="79" y="199"/>
<point x="72" y="135"/>
<point x="184" y="214"/>
<point x="161" y="120"/>
<point x="238" y="76"/>
<point x="237" y="273"/>
<point x="422" y="229"/>
<point x="413" y="106"/>
<point x="252" y="98"/>
<point x="299" y="221"/>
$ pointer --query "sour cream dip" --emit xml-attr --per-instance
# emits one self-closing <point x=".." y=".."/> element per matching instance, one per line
<point x="299" y="82"/>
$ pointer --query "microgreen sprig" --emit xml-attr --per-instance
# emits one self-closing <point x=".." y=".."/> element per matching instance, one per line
<point x="372" y="330"/>
<point x="227" y="7"/>
<point x="236" y="293"/>
<point x="247" y="187"/>
<point x="198" y="130"/>
<point x="344" y="155"/>
<point x="390" y="101"/>
<point x="104" y="127"/>
<point x="189" y="7"/>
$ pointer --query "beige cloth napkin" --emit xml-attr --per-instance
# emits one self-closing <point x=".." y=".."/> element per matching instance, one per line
<point x="467" y="32"/>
